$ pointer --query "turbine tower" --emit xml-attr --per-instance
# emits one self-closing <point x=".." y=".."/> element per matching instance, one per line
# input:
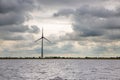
<point x="42" y="38"/>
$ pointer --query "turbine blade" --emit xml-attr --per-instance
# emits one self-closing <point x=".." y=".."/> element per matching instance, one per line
<point x="38" y="39"/>
<point x="42" y="32"/>
<point x="46" y="39"/>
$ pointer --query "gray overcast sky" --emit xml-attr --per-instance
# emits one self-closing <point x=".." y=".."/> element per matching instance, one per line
<point x="75" y="27"/>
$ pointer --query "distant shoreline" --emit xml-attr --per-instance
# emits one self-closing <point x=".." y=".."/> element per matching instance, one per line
<point x="104" y="58"/>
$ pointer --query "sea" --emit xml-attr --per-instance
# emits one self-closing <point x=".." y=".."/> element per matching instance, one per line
<point x="59" y="69"/>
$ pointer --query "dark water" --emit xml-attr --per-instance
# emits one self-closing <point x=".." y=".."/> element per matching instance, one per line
<point x="61" y="69"/>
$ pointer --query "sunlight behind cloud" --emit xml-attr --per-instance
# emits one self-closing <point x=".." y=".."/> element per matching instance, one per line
<point x="50" y="24"/>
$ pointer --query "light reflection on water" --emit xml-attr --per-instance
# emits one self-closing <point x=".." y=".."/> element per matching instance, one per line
<point x="61" y="69"/>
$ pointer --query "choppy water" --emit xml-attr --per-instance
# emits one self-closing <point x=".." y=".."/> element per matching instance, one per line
<point x="61" y="69"/>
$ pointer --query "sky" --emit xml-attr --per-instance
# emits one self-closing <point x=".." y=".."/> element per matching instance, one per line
<point x="76" y="28"/>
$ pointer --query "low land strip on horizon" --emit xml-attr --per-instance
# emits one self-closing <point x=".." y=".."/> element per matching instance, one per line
<point x="54" y="57"/>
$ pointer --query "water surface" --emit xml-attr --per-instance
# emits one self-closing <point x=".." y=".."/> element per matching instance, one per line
<point x="59" y="69"/>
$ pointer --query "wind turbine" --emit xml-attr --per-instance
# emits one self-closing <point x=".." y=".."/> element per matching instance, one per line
<point x="42" y="38"/>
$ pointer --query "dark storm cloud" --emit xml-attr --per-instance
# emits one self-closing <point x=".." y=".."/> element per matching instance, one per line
<point x="10" y="36"/>
<point x="113" y="23"/>
<point x="115" y="37"/>
<point x="16" y="32"/>
<point x="94" y="22"/>
<point x="96" y="11"/>
<point x="20" y="37"/>
<point x="57" y="2"/>
<point x="34" y="29"/>
<point x="14" y="28"/>
<point x="7" y="6"/>
<point x="64" y="12"/>
<point x="11" y="18"/>
<point x="13" y="13"/>
<point x="113" y="27"/>
<point x="85" y="10"/>
<point x="91" y="33"/>
<point x="69" y="3"/>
